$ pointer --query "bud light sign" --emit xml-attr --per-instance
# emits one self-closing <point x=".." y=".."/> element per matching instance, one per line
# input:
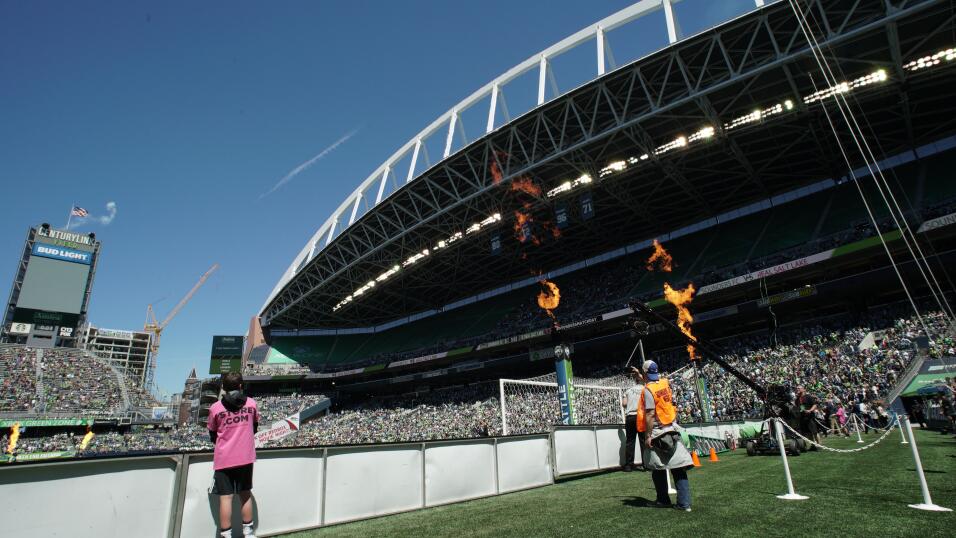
<point x="62" y="253"/>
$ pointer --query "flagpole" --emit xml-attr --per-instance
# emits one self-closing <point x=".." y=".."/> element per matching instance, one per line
<point x="69" y="219"/>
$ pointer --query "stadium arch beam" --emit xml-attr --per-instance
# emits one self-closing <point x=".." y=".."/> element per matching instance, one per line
<point x="736" y="52"/>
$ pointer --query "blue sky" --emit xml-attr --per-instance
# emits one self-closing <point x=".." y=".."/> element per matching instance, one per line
<point x="184" y="114"/>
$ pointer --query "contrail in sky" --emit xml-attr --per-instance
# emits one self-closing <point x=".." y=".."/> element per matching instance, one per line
<point x="305" y="166"/>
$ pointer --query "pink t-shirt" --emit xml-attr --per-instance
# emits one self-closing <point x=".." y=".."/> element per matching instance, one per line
<point x="235" y="441"/>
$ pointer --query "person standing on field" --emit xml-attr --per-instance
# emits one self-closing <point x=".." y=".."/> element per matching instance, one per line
<point x="233" y="422"/>
<point x="630" y="401"/>
<point x="665" y="451"/>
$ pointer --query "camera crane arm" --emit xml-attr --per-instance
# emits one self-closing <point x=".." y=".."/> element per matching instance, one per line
<point x="707" y="350"/>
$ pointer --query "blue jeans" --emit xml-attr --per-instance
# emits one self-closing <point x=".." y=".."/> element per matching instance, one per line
<point x="680" y="482"/>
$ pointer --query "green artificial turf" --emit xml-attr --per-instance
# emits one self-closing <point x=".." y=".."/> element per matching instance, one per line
<point x="859" y="494"/>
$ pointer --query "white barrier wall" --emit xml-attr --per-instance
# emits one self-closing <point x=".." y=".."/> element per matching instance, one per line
<point x="580" y="449"/>
<point x="95" y="499"/>
<point x="524" y="462"/>
<point x="456" y="471"/>
<point x="575" y="450"/>
<point x="293" y="489"/>
<point x="373" y="481"/>
<point x="610" y="443"/>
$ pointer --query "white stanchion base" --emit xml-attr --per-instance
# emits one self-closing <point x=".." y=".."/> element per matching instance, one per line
<point x="793" y="497"/>
<point x="930" y="507"/>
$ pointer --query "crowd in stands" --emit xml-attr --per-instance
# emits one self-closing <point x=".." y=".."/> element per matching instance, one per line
<point x="18" y="391"/>
<point x="64" y="381"/>
<point x="826" y="358"/>
<point x="72" y="380"/>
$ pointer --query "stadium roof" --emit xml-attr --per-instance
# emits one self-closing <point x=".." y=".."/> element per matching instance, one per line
<point x="707" y="125"/>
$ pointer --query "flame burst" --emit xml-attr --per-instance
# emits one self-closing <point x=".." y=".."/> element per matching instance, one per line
<point x="680" y="299"/>
<point x="522" y="218"/>
<point x="14" y="437"/>
<point x="86" y="440"/>
<point x="660" y="257"/>
<point x="527" y="186"/>
<point x="495" y="172"/>
<point x="550" y="296"/>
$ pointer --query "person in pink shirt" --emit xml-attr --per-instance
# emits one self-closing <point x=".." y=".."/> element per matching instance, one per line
<point x="232" y="424"/>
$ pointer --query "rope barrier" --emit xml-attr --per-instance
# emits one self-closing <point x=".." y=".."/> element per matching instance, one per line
<point x="837" y="450"/>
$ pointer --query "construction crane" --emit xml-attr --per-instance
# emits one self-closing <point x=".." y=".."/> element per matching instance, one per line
<point x="156" y="328"/>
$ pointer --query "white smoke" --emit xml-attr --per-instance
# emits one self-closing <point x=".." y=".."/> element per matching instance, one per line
<point x="305" y="166"/>
<point x="102" y="220"/>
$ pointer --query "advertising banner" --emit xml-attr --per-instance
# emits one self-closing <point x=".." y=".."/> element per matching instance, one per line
<point x="705" y="399"/>
<point x="65" y="239"/>
<point x="565" y="391"/>
<point x="20" y="328"/>
<point x="40" y="456"/>
<point x="938" y="222"/>
<point x="768" y="272"/>
<point x="416" y="360"/>
<point x="279" y="430"/>
<point x="47" y="422"/>
<point x="62" y="253"/>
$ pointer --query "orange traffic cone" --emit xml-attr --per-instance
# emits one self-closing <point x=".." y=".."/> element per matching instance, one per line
<point x="713" y="454"/>
<point x="693" y="456"/>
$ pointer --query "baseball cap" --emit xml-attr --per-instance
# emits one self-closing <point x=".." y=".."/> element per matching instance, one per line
<point x="650" y="369"/>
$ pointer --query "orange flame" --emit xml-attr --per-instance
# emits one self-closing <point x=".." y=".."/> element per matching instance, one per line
<point x="680" y="299"/>
<point x="522" y="218"/>
<point x="550" y="296"/>
<point x="661" y="257"/>
<point x="525" y="185"/>
<point x="14" y="437"/>
<point x="495" y="172"/>
<point x="86" y="439"/>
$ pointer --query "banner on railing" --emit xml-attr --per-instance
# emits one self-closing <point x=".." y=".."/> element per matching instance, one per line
<point x="47" y="422"/>
<point x="40" y="456"/>
<point x="279" y="430"/>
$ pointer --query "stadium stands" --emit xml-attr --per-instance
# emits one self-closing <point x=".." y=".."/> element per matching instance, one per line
<point x="784" y="232"/>
<point x="18" y="379"/>
<point x="63" y="382"/>
<point x="823" y="356"/>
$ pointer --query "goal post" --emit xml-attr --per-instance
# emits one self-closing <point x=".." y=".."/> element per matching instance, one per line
<point x="532" y="406"/>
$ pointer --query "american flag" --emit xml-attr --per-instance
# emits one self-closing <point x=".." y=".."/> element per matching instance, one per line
<point x="79" y="212"/>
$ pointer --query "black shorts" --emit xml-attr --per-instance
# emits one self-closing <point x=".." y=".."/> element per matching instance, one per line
<point x="232" y="480"/>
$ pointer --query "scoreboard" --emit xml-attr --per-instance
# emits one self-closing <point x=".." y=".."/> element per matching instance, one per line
<point x="226" y="355"/>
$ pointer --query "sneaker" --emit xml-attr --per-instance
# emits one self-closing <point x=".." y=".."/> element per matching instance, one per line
<point x="248" y="531"/>
<point x="627" y="468"/>
<point x="659" y="504"/>
<point x="682" y="508"/>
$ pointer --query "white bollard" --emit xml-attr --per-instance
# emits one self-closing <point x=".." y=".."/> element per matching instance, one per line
<point x="856" y="424"/>
<point x="899" y="422"/>
<point x="927" y="503"/>
<point x="670" y="486"/>
<point x="791" y="495"/>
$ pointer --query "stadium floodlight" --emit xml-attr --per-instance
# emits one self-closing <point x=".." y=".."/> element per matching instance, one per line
<point x="569" y="185"/>
<point x="678" y="142"/>
<point x="444" y="243"/>
<point x="703" y="134"/>
<point x="931" y="60"/>
<point x="846" y="87"/>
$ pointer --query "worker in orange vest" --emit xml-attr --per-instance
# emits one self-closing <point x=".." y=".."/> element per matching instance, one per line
<point x="664" y="450"/>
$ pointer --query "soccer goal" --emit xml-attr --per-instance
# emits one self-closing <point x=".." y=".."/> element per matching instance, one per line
<point x="531" y="405"/>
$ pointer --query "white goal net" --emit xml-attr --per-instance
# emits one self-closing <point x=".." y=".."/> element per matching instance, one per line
<point x="531" y="405"/>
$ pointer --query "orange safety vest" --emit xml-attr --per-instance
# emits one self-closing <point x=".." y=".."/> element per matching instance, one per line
<point x="663" y="406"/>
